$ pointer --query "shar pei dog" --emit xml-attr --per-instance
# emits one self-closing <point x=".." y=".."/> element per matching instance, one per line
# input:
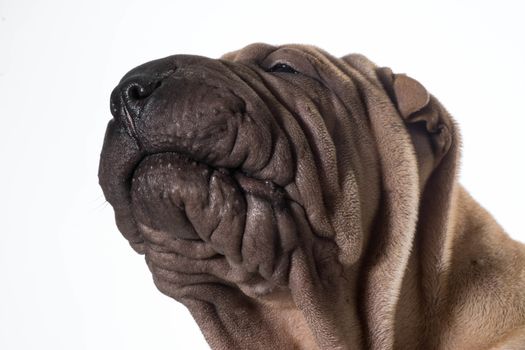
<point x="294" y="200"/>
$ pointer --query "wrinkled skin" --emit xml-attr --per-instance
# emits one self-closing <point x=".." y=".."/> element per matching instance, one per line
<point x="280" y="203"/>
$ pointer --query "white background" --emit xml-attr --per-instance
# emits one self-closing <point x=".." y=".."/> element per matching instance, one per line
<point x="68" y="280"/>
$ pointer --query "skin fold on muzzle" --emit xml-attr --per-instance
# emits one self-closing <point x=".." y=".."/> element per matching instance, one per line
<point x="294" y="200"/>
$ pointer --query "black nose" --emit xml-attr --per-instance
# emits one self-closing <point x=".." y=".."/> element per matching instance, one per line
<point x="129" y="98"/>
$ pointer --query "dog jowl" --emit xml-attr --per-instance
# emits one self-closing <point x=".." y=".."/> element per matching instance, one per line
<point x="291" y="199"/>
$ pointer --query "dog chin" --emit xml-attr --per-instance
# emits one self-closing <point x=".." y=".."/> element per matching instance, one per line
<point x="221" y="223"/>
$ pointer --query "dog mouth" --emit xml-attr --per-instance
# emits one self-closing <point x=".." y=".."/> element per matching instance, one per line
<point x="193" y="200"/>
<point x="193" y="218"/>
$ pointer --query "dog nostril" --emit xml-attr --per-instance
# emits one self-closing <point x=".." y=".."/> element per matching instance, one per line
<point x="129" y="99"/>
<point x="134" y="94"/>
<point x="136" y="91"/>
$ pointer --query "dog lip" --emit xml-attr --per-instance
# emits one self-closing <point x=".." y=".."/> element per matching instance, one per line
<point x="249" y="185"/>
<point x="263" y="188"/>
<point x="117" y="167"/>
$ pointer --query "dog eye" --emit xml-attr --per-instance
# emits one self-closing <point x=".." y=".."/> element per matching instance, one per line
<point x="282" y="68"/>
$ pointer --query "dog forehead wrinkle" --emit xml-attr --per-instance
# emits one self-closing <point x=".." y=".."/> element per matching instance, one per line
<point x="286" y="100"/>
<point x="261" y="98"/>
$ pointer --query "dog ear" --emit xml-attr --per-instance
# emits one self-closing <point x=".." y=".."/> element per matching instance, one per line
<point x="410" y="96"/>
<point x="429" y="124"/>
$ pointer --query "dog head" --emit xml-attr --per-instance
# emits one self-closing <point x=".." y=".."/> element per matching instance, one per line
<point x="259" y="178"/>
